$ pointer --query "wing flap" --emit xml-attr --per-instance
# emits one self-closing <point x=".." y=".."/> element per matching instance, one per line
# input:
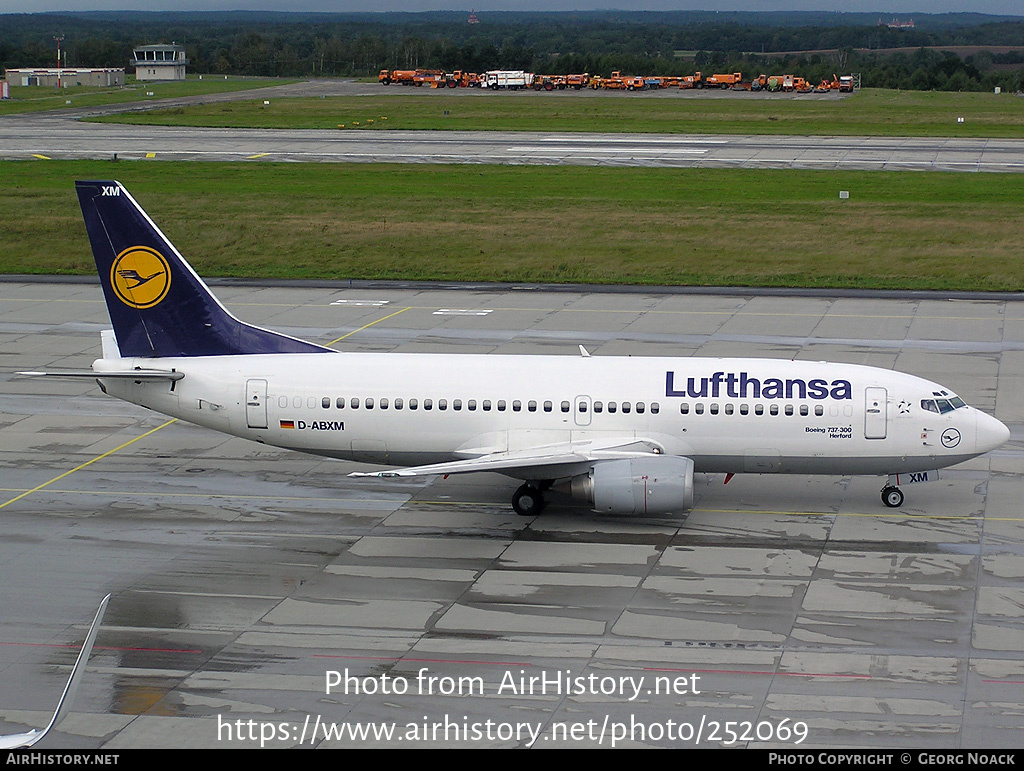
<point x="565" y="454"/>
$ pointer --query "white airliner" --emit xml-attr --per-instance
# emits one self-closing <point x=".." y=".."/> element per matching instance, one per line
<point x="624" y="434"/>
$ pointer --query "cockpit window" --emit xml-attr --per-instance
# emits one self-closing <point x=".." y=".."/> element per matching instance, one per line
<point x="942" y="406"/>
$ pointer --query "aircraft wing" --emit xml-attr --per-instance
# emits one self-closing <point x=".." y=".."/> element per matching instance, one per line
<point x="563" y="454"/>
<point x="29" y="738"/>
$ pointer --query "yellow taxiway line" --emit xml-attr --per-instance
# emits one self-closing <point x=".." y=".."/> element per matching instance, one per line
<point x="366" y="326"/>
<point x="88" y="463"/>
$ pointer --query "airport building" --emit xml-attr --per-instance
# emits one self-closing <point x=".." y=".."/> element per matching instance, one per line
<point x="66" y="76"/>
<point x="159" y="62"/>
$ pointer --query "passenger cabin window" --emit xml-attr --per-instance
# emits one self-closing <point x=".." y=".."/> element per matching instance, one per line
<point x="456" y="404"/>
<point x="640" y="407"/>
<point x="326" y="402"/>
<point x="413" y="404"/>
<point x="598" y="407"/>
<point x="428" y="404"/>
<point x="612" y="407"/>
<point x="655" y="408"/>
<point x="565" y="406"/>
<point x="398" y="404"/>
<point x="368" y="403"/>
<point x="684" y="408"/>
<point x="547" y="406"/>
<point x="442" y="404"/>
<point x="340" y="403"/>
<point x="354" y="403"/>
<point x="532" y="406"/>
<point x="383" y="404"/>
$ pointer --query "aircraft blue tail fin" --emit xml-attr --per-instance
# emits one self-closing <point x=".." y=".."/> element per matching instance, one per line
<point x="158" y="305"/>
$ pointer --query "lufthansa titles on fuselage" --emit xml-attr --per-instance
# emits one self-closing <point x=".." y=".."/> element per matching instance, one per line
<point x="743" y="386"/>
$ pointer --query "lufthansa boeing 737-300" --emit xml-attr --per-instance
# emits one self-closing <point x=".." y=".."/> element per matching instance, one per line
<point x="625" y="435"/>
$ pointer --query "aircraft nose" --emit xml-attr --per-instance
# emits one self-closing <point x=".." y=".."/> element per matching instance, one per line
<point x="992" y="433"/>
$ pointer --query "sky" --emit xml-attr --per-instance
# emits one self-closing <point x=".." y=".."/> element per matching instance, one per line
<point x="885" y="8"/>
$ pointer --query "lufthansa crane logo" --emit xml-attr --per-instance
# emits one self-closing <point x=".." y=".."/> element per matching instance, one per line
<point x="140" y="277"/>
<point x="950" y="438"/>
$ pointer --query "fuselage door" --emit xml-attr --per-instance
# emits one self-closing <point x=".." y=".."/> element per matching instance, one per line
<point x="256" y="403"/>
<point x="875" y="412"/>
<point x="582" y="409"/>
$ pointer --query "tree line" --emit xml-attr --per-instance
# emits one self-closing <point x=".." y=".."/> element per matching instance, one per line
<point x="814" y="45"/>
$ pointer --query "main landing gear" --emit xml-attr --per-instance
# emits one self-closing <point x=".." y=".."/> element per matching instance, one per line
<point x="528" y="500"/>
<point x="892" y="496"/>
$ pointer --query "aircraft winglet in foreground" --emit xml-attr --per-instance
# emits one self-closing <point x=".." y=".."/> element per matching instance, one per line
<point x="30" y="738"/>
<point x="624" y="434"/>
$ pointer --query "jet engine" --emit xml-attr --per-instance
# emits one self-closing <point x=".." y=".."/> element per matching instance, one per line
<point x="655" y="485"/>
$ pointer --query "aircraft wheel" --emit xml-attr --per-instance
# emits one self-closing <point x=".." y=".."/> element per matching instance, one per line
<point x="528" y="501"/>
<point x="892" y="497"/>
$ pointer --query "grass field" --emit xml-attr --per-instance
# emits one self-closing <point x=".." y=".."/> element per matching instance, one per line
<point x="869" y="112"/>
<point x="36" y="98"/>
<point x="541" y="224"/>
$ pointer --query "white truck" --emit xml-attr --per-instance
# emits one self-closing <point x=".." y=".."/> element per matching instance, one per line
<point x="511" y="79"/>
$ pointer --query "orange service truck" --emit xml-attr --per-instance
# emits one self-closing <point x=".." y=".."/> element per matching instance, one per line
<point x="404" y="77"/>
<point x="462" y="79"/>
<point x="723" y="81"/>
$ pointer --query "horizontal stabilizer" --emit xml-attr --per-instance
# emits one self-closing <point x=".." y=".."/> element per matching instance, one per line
<point x="125" y="374"/>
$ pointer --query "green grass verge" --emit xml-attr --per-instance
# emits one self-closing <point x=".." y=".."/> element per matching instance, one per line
<point x="546" y="224"/>
<point x="870" y="112"/>
<point x="37" y="98"/>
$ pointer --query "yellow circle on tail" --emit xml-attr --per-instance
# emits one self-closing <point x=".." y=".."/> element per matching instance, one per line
<point x="140" y="277"/>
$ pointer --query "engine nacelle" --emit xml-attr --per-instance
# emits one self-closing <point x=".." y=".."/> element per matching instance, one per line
<point x="655" y="485"/>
